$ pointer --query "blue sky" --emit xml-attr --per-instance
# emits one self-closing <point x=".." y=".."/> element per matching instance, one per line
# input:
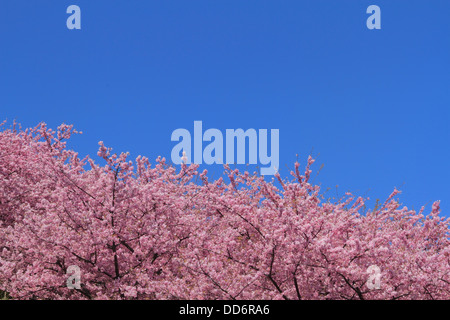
<point x="371" y="105"/>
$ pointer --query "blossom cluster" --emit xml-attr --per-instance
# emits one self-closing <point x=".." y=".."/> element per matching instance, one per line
<point x="138" y="231"/>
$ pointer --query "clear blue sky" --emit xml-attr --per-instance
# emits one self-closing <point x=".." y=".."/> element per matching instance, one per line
<point x="373" y="105"/>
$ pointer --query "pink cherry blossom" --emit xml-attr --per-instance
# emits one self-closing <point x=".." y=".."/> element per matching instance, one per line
<point x="138" y="231"/>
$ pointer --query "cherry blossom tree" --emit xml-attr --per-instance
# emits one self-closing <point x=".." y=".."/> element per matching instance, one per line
<point x="165" y="232"/>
